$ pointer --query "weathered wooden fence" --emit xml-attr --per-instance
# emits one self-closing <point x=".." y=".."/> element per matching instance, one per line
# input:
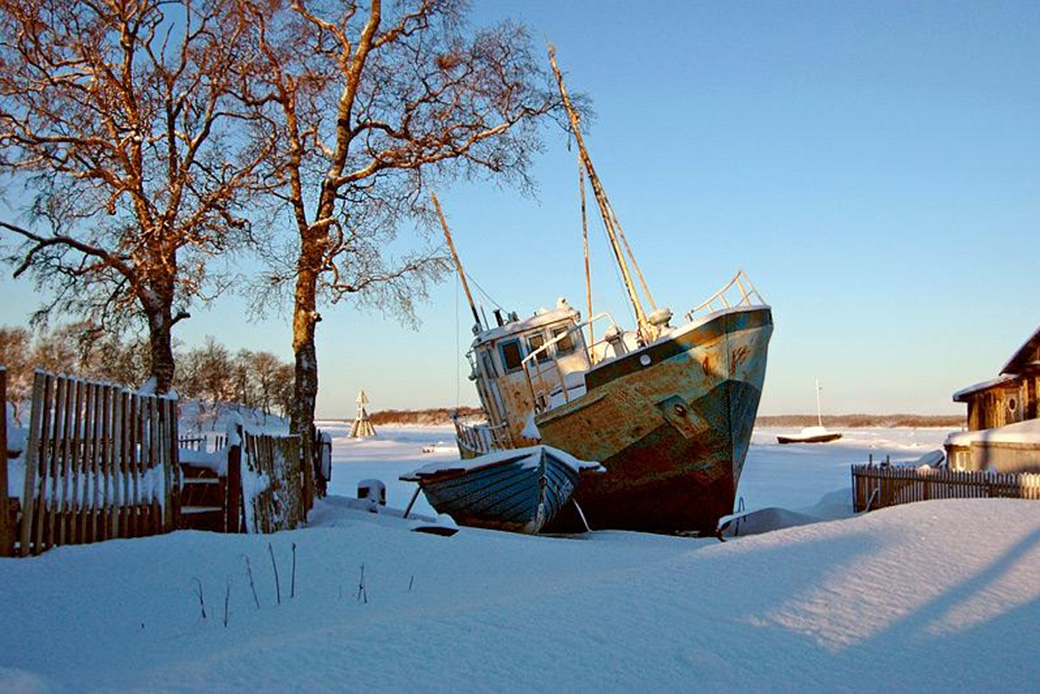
<point x="272" y="483"/>
<point x="878" y="486"/>
<point x="7" y="518"/>
<point x="100" y="463"/>
<point x="260" y="488"/>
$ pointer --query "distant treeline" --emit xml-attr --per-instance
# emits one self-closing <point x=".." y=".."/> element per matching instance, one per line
<point x="852" y="421"/>
<point x="210" y="374"/>
<point x="442" y="415"/>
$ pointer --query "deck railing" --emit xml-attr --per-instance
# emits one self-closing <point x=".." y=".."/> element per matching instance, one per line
<point x="545" y="377"/>
<point x="738" y="292"/>
<point x="879" y="486"/>
<point x="481" y="438"/>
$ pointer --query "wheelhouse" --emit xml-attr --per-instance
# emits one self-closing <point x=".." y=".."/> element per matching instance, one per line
<point x="547" y="346"/>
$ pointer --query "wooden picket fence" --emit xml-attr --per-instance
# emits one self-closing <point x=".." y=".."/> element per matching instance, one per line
<point x="100" y="463"/>
<point x="879" y="486"/>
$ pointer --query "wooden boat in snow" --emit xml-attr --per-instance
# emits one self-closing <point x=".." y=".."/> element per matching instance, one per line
<point x="668" y="410"/>
<point x="816" y="434"/>
<point x="519" y="490"/>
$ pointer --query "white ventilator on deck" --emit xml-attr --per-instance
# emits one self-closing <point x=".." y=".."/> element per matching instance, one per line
<point x="362" y="425"/>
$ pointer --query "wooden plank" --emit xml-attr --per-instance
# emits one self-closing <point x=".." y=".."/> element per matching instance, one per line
<point x="155" y="466"/>
<point x="123" y="466"/>
<point x="64" y="447"/>
<point x="234" y="488"/>
<point x="115" y="453"/>
<point x="134" y="462"/>
<point x="104" y="443"/>
<point x="145" y="520"/>
<point x="172" y="463"/>
<point x="83" y="498"/>
<point x="94" y="463"/>
<point x="57" y="447"/>
<point x="70" y="526"/>
<point x="168" y="472"/>
<point x="33" y="454"/>
<point x="175" y="462"/>
<point x="144" y="464"/>
<point x="6" y="531"/>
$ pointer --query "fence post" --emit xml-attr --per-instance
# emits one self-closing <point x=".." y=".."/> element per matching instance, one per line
<point x="5" y="517"/>
<point x="234" y="484"/>
<point x="307" y="455"/>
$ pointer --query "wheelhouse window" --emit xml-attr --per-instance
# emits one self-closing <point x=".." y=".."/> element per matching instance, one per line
<point x="512" y="355"/>
<point x="536" y="341"/>
<point x="566" y="345"/>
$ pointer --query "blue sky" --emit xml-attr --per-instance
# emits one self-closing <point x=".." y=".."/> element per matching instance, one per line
<point x="875" y="168"/>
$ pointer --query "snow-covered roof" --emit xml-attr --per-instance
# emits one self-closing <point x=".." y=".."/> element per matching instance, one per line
<point x="962" y="394"/>
<point x="541" y="318"/>
<point x="1027" y="432"/>
<point x="1023" y="356"/>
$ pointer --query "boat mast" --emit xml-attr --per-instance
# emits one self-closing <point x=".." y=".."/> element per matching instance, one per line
<point x="585" y="237"/>
<point x="644" y="327"/>
<point x="458" y="263"/>
<point x="819" y="417"/>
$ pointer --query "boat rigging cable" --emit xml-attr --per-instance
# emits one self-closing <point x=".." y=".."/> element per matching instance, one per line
<point x="647" y="332"/>
<point x="484" y="293"/>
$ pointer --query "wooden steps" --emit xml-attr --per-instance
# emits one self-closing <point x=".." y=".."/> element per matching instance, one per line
<point x="203" y="495"/>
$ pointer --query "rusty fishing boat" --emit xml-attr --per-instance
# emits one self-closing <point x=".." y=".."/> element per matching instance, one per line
<point x="667" y="409"/>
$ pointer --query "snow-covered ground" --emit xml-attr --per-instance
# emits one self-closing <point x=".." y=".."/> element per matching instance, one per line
<point x="935" y="596"/>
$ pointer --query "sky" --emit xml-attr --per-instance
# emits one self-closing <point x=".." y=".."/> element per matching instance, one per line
<point x="874" y="167"/>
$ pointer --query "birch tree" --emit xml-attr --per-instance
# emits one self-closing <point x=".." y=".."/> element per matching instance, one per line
<point x="120" y="128"/>
<point x="368" y="104"/>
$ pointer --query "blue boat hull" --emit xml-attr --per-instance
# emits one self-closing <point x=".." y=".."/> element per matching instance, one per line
<point x="509" y="494"/>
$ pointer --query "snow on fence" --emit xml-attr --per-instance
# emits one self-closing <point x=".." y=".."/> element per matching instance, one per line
<point x="272" y="483"/>
<point x="99" y="463"/>
<point x="878" y="486"/>
<point x="256" y="484"/>
<point x="192" y="443"/>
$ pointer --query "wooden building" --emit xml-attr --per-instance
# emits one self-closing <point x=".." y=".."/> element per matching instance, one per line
<point x="1003" y="420"/>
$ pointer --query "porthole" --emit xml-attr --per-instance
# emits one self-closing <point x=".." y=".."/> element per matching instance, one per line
<point x="1012" y="404"/>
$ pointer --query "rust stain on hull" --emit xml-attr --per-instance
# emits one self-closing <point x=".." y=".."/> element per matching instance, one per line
<point x="673" y="437"/>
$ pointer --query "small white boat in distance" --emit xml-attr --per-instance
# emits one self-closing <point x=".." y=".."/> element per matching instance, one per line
<point x="816" y="434"/>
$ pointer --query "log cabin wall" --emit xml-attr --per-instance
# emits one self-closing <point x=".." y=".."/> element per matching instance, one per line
<point x="1002" y="405"/>
<point x="1032" y="388"/>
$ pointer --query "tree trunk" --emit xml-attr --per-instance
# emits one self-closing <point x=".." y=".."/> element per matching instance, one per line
<point x="160" y="337"/>
<point x="305" y="388"/>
